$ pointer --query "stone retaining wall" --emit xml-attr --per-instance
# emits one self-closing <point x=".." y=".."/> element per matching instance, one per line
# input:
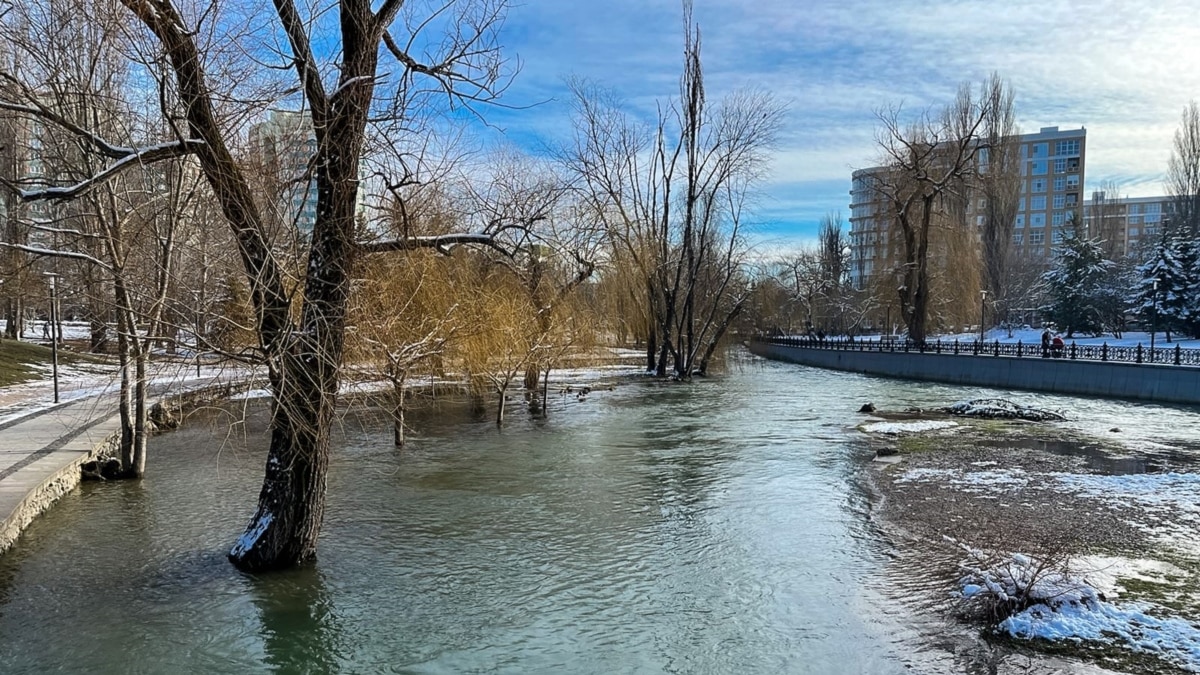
<point x="64" y="478"/>
<point x="1167" y="384"/>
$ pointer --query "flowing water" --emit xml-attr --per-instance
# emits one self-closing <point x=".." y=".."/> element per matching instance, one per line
<point x="714" y="527"/>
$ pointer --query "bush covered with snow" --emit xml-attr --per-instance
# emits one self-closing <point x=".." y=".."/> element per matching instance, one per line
<point x="998" y="585"/>
<point x="1041" y="598"/>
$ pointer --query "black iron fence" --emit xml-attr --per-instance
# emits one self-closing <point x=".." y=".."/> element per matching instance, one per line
<point x="1175" y="356"/>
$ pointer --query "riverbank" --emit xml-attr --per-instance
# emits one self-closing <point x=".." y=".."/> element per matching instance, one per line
<point x="1103" y="511"/>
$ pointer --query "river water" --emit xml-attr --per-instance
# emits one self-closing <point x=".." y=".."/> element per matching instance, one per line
<point x="714" y="527"/>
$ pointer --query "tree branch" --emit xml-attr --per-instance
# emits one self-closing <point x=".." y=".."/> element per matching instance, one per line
<point x="51" y="253"/>
<point x="306" y="66"/>
<point x="136" y="157"/>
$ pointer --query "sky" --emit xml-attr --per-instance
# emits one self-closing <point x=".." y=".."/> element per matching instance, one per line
<point x="1122" y="69"/>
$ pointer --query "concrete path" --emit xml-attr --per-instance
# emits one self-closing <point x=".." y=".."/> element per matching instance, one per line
<point x="41" y="451"/>
<point x="40" y="455"/>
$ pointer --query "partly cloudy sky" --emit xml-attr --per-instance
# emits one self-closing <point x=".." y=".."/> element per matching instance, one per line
<point x="1123" y="69"/>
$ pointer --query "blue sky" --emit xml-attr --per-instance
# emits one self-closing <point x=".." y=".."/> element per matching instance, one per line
<point x="1123" y="69"/>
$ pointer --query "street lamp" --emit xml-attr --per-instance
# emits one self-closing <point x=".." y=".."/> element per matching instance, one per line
<point x="54" y="334"/>
<point x="1153" y="319"/>
<point x="197" y="297"/>
<point x="982" y="306"/>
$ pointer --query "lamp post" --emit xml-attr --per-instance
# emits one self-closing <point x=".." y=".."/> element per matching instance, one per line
<point x="982" y="306"/>
<point x="196" y="295"/>
<point x="54" y="334"/>
<point x="1154" y="320"/>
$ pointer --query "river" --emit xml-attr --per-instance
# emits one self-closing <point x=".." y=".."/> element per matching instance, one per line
<point x="714" y="527"/>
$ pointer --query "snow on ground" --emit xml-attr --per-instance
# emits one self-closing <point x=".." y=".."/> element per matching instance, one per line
<point x="1068" y="605"/>
<point x="1033" y="336"/>
<point x="987" y="480"/>
<point x="1105" y="572"/>
<point x="88" y="380"/>
<point x="1136" y="626"/>
<point x="1081" y="603"/>
<point x="72" y="330"/>
<point x="895" y="428"/>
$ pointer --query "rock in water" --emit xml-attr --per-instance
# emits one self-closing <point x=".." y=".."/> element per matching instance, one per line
<point x="867" y="408"/>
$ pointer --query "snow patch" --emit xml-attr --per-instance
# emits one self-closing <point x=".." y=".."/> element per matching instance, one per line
<point x="251" y="394"/>
<point x="907" y="427"/>
<point x="1061" y="605"/>
<point x="250" y="537"/>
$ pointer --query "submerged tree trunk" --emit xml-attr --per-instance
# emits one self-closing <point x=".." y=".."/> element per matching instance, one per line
<point x="500" y="407"/>
<point x="398" y="413"/>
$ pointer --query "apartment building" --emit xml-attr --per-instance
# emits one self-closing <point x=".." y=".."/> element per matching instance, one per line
<point x="1126" y="226"/>
<point x="1052" y="163"/>
<point x="283" y="146"/>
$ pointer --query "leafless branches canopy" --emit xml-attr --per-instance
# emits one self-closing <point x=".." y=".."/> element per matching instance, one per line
<point x="672" y="197"/>
<point x="205" y="66"/>
<point x="929" y="167"/>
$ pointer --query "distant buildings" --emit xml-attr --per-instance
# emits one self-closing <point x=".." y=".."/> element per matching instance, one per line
<point x="1052" y="176"/>
<point x="1126" y="225"/>
<point x="283" y="146"/>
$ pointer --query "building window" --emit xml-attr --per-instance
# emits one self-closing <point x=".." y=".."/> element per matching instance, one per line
<point x="1135" y="209"/>
<point x="1057" y="219"/>
<point x="1037" y="220"/>
<point x="1040" y="149"/>
<point x="1057" y="237"/>
<point x="1135" y="220"/>
<point x="1037" y="237"/>
<point x="1150" y="218"/>
<point x="1133" y="232"/>
<point x="1020" y="222"/>
<point x="1060" y="201"/>
<point x="1039" y="184"/>
<point x="1060" y="184"/>
<point x="982" y="204"/>
<point x="1060" y="165"/>
<point x="1037" y="204"/>
<point x="1039" y="167"/>
<point x="1067" y="147"/>
<point x="1018" y="238"/>
<point x="1153" y="208"/>
<point x="979" y="220"/>
<point x="1021" y="204"/>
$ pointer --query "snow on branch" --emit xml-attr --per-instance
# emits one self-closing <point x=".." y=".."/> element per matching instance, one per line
<point x="442" y="242"/>
<point x="136" y="156"/>
<point x="42" y="112"/>
<point x="53" y="253"/>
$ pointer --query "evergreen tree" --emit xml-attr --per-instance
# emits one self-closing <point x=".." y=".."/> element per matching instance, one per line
<point x="1077" y="285"/>
<point x="1162" y="297"/>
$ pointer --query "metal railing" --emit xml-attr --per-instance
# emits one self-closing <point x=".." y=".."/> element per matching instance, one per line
<point x="1174" y="356"/>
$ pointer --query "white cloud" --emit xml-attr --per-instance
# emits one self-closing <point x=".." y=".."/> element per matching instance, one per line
<point x="1125" y="70"/>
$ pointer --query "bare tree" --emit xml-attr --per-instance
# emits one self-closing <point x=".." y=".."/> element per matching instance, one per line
<point x="1104" y="221"/>
<point x="999" y="184"/>
<point x="673" y="198"/>
<point x="927" y="163"/>
<point x="343" y="87"/>
<point x="1183" y="174"/>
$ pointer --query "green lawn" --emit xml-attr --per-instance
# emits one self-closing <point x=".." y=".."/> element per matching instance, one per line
<point x="18" y="361"/>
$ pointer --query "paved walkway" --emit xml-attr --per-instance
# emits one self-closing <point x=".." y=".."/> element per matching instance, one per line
<point x="41" y="451"/>
<point x="40" y="455"/>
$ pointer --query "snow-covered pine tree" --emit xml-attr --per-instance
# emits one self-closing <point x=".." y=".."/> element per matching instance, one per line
<point x="1074" y="284"/>
<point x="1161" y="297"/>
<point x="1187" y="253"/>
